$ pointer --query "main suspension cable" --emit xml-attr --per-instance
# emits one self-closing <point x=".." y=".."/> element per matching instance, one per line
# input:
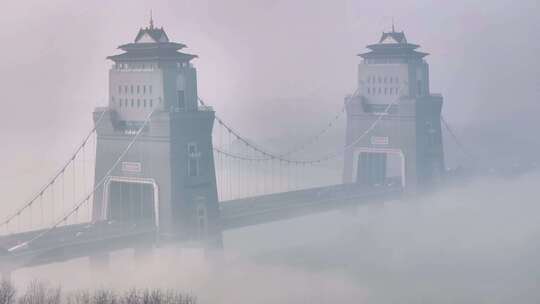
<point x="271" y="156"/>
<point x="458" y="142"/>
<point x="51" y="181"/>
<point x="96" y="186"/>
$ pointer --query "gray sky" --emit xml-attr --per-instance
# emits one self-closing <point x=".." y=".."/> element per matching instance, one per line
<point x="269" y="67"/>
<point x="261" y="61"/>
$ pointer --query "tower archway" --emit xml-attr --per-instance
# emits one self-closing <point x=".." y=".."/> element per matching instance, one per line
<point x="379" y="166"/>
<point x="131" y="199"/>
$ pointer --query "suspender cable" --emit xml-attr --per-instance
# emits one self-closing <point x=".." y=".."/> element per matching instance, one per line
<point x="271" y="156"/>
<point x="460" y="145"/>
<point x="54" y="177"/>
<point x="74" y="188"/>
<point x="52" y="199"/>
<point x="87" y="197"/>
<point x="84" y="188"/>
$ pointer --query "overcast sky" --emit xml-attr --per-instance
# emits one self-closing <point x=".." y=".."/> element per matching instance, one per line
<point x="278" y="71"/>
<point x="260" y="62"/>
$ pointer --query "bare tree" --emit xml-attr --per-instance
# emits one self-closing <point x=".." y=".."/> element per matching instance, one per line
<point x="157" y="296"/>
<point x="132" y="296"/>
<point x="104" y="296"/>
<point x="7" y="292"/>
<point x="79" y="297"/>
<point x="40" y="293"/>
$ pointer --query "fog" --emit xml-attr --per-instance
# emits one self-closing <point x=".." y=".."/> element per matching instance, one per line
<point x="278" y="71"/>
<point x="477" y="243"/>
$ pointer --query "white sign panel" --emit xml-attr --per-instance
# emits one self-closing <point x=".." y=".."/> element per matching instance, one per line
<point x="379" y="140"/>
<point x="132" y="167"/>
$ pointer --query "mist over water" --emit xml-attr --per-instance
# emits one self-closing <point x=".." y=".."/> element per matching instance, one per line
<point x="472" y="243"/>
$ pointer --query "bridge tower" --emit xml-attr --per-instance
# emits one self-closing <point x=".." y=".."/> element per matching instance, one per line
<point x="167" y="178"/>
<point x="394" y="100"/>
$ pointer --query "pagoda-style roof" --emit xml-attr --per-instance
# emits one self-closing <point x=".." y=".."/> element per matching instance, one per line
<point x="393" y="45"/>
<point x="393" y="37"/>
<point x="151" y="34"/>
<point x="152" y="44"/>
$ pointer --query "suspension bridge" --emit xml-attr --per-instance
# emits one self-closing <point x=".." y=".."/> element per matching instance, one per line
<point x="159" y="165"/>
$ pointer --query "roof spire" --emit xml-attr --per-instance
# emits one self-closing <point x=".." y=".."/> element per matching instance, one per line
<point x="393" y="28"/>
<point x="151" y="20"/>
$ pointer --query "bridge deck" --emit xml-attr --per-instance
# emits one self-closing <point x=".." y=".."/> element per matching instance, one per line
<point x="74" y="241"/>
<point x="71" y="241"/>
<point x="273" y="207"/>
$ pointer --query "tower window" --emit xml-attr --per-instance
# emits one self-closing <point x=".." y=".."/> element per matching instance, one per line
<point x="385" y="78"/>
<point x="151" y="103"/>
<point x="201" y="212"/>
<point x="192" y="148"/>
<point x="144" y="89"/>
<point x="385" y="90"/>
<point x="119" y="89"/>
<point x="132" y="103"/>
<point x="201" y="216"/>
<point x="138" y="103"/>
<point x="431" y="134"/>
<point x="181" y="103"/>
<point x="131" y="89"/>
<point x="125" y="89"/>
<point x="144" y="103"/>
<point x="150" y="89"/>
<point x="379" y="91"/>
<point x="193" y="159"/>
<point x="368" y="90"/>
<point x="193" y="167"/>
<point x="138" y="89"/>
<point x="380" y="80"/>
